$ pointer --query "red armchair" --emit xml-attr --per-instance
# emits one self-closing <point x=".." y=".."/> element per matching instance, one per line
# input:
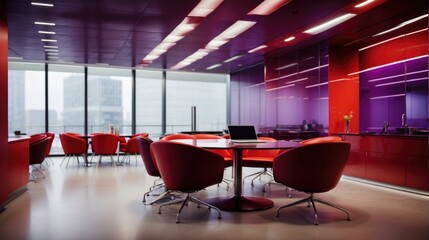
<point x="186" y="168"/>
<point x="130" y="147"/>
<point x="312" y="168"/>
<point x="73" y="146"/>
<point x="104" y="144"/>
<point x="37" y="151"/>
<point x="260" y="159"/>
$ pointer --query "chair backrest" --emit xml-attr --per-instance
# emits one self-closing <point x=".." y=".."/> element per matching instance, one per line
<point x="144" y="149"/>
<point x="104" y="144"/>
<point x="270" y="153"/>
<point x="73" y="144"/>
<point x="223" y="152"/>
<point x="37" y="137"/>
<point x="178" y="136"/>
<point x="187" y="168"/>
<point x="321" y="139"/>
<point x="37" y="151"/>
<point x="312" y="168"/>
<point x="51" y="137"/>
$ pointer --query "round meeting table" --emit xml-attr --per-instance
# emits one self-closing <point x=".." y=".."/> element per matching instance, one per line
<point x="238" y="202"/>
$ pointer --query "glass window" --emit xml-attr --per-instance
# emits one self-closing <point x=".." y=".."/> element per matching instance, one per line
<point x="26" y="97"/>
<point x="109" y="99"/>
<point x="66" y="101"/>
<point x="205" y="91"/>
<point x="149" y="102"/>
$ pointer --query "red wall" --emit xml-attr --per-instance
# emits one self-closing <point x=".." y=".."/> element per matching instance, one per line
<point x="3" y="102"/>
<point x="343" y="89"/>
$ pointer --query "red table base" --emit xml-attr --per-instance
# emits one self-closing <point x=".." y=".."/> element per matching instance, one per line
<point x="240" y="204"/>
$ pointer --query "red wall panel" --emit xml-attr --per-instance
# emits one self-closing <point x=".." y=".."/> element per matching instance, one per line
<point x="410" y="46"/>
<point x="3" y="106"/>
<point x="343" y="89"/>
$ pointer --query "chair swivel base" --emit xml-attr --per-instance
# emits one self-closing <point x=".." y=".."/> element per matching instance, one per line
<point x="185" y="201"/>
<point x="310" y="200"/>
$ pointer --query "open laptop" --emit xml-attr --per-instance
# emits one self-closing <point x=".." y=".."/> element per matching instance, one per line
<point x="243" y="134"/>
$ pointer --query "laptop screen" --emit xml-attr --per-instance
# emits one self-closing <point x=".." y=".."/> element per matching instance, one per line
<point x="239" y="132"/>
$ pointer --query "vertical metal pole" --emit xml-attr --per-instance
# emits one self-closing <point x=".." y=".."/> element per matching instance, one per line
<point x="46" y="99"/>
<point x="85" y="107"/>
<point x="193" y="118"/>
<point x="164" y="102"/>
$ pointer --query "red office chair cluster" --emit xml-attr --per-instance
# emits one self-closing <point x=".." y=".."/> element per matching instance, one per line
<point x="312" y="168"/>
<point x="187" y="169"/>
<point x="73" y="146"/>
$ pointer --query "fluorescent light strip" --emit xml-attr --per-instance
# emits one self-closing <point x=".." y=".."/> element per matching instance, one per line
<point x="315" y="68"/>
<point x="402" y="25"/>
<point x="51" y="50"/>
<point x="257" y="48"/>
<point x="386" y="65"/>
<point x="394" y="76"/>
<point x="44" y="23"/>
<point x="391" y="39"/>
<point x="232" y="59"/>
<point x="364" y="3"/>
<point x="214" y="66"/>
<point x="267" y="7"/>
<point x="277" y="88"/>
<point x="42" y="4"/>
<point x="46" y="32"/>
<point x="286" y="66"/>
<point x="329" y="24"/>
<point x="278" y="78"/>
<point x="388" y="96"/>
<point x="402" y="81"/>
<point x="191" y="21"/>
<point x="289" y="39"/>
<point x="316" y="85"/>
<point x="204" y="8"/>
<point x="236" y="29"/>
<point x="48" y="40"/>
<point x="298" y="80"/>
<point x="52" y="53"/>
<point x="15" y="58"/>
<point x="47" y="46"/>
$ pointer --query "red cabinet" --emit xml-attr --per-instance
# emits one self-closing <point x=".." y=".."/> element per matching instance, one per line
<point x="397" y="160"/>
<point x="15" y="177"/>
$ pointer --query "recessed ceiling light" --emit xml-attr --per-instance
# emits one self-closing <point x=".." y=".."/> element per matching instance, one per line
<point x="329" y="24"/>
<point x="48" y="40"/>
<point x="46" y="32"/>
<point x="267" y="7"/>
<point x="42" y="4"/>
<point x="44" y="23"/>
<point x="364" y="3"/>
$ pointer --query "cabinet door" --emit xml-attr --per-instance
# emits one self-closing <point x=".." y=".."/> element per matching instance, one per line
<point x="386" y="168"/>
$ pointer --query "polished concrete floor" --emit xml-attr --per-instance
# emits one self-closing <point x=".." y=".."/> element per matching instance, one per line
<point x="105" y="202"/>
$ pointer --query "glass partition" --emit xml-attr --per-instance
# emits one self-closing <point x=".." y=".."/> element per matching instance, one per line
<point x="149" y="102"/>
<point x="109" y="99"/>
<point x="26" y="98"/>
<point x="207" y="92"/>
<point x="66" y="101"/>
